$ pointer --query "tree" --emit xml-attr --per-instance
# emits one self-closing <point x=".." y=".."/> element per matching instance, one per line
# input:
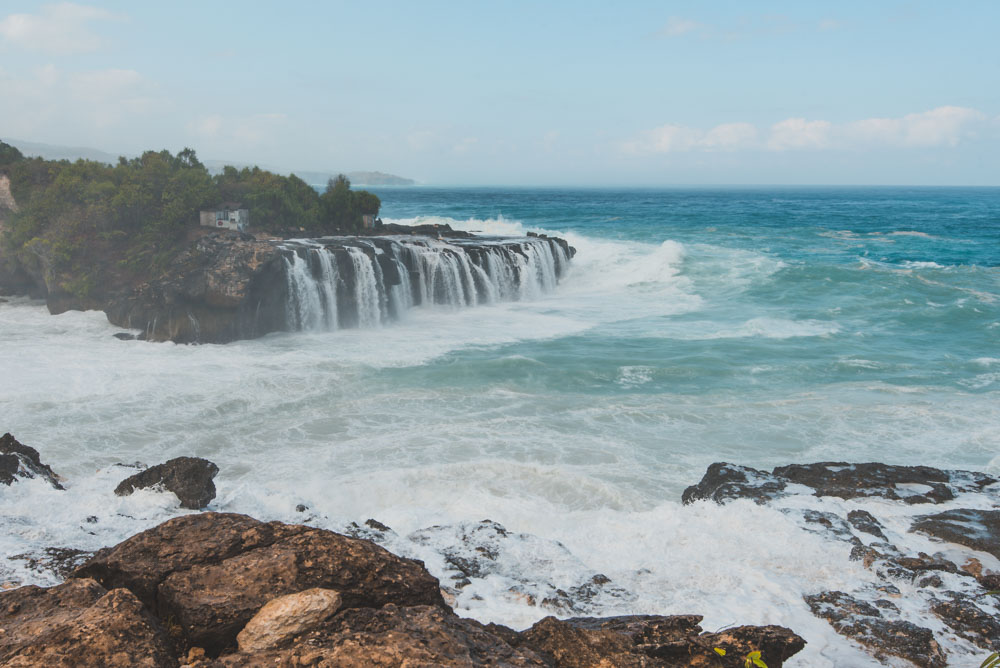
<point x="9" y="155"/>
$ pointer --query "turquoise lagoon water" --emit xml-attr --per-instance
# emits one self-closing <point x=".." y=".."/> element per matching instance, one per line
<point x="755" y="326"/>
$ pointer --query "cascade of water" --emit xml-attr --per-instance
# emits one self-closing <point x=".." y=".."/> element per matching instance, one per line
<point x="329" y="277"/>
<point x="366" y="289"/>
<point x="430" y="272"/>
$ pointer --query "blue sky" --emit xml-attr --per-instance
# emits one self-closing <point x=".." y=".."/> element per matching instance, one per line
<point x="558" y="93"/>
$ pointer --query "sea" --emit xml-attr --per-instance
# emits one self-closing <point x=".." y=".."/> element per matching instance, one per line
<point x="757" y="326"/>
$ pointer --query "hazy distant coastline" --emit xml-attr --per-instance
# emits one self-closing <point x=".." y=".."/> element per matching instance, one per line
<point x="318" y="178"/>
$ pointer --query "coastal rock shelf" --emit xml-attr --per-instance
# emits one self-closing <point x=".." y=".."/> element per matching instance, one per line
<point x="227" y="590"/>
<point x="228" y="287"/>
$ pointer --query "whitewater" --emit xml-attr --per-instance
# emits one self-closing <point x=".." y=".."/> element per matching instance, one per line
<point x="761" y="327"/>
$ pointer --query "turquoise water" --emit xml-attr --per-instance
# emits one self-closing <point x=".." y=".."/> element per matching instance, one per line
<point x="756" y="326"/>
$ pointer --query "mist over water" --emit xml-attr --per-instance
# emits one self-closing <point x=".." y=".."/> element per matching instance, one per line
<point x="760" y="327"/>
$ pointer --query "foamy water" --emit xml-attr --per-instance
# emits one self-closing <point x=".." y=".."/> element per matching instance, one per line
<point x="576" y="418"/>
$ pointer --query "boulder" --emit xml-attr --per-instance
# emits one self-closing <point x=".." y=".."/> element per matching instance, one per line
<point x="724" y="482"/>
<point x="79" y="623"/>
<point x="285" y="617"/>
<point x="190" y="478"/>
<point x="20" y="461"/>
<point x="978" y="529"/>
<point x="970" y="621"/>
<point x="211" y="573"/>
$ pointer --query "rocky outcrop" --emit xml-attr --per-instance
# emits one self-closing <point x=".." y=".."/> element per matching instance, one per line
<point x="190" y="478"/>
<point x="909" y="484"/>
<point x="80" y="623"/>
<point x="978" y="529"/>
<point x="213" y="589"/>
<point x="21" y="461"/>
<point x="231" y="286"/>
<point x="865" y="623"/>
<point x="939" y="588"/>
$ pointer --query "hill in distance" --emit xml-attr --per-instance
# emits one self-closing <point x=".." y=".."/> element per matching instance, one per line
<point x="55" y="152"/>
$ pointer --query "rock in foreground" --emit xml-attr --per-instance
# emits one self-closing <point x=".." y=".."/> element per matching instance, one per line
<point x="183" y="592"/>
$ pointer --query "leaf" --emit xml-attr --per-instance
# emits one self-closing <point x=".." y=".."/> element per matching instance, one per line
<point x="992" y="661"/>
<point x="720" y="651"/>
<point x="753" y="658"/>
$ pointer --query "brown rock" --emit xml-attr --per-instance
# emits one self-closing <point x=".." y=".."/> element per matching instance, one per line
<point x="978" y="529"/>
<point x="79" y="623"/>
<point x="653" y="640"/>
<point x="393" y="636"/>
<point x="210" y="573"/>
<point x="190" y="478"/>
<point x="287" y="616"/>
<point x="21" y="461"/>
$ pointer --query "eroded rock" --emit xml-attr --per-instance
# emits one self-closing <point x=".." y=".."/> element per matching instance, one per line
<point x="864" y="622"/>
<point x="978" y="529"/>
<point x="21" y="461"/>
<point x="79" y="623"/>
<point x="190" y="478"/>
<point x="210" y="573"/>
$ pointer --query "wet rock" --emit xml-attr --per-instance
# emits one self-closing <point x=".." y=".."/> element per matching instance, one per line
<point x="285" y="617"/>
<point x="125" y="336"/>
<point x="723" y="482"/>
<point x="21" y="461"/>
<point x="970" y="621"/>
<point x="978" y="529"/>
<point x="79" y="623"/>
<point x="653" y="640"/>
<point x="863" y="622"/>
<point x="372" y="530"/>
<point x="210" y="573"/>
<point x="831" y="524"/>
<point x="60" y="561"/>
<point x="910" y="484"/>
<point x="864" y="521"/>
<point x="477" y="550"/>
<point x="190" y="478"/>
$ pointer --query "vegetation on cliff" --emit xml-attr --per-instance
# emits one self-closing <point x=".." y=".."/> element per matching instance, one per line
<point x="90" y="226"/>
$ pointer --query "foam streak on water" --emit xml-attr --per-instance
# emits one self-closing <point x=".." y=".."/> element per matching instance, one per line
<point x="756" y="327"/>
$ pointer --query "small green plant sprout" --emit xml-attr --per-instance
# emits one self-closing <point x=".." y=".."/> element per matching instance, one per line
<point x="753" y="659"/>
<point x="993" y="660"/>
<point x="719" y="651"/>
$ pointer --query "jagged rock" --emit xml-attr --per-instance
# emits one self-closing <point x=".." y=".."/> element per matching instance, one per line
<point x="723" y="482"/>
<point x="21" y="461"/>
<point x="79" y="623"/>
<point x="864" y="521"/>
<point x="190" y="478"/>
<point x="970" y="621"/>
<point x="864" y="622"/>
<point x="978" y="529"/>
<point x="287" y="616"/>
<point x="210" y="573"/>
<point x="910" y="484"/>
<point x="653" y="640"/>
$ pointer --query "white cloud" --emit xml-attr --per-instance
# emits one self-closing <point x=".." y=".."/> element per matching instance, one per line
<point x="798" y="133"/>
<point x="465" y="145"/>
<point x="677" y="26"/>
<point x="59" y="28"/>
<point x="678" y="138"/>
<point x="249" y="130"/>
<point x="942" y="127"/>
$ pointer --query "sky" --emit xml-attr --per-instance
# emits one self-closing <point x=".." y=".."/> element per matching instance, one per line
<point x="522" y="93"/>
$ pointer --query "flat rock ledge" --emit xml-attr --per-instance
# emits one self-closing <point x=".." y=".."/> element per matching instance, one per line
<point x="213" y="589"/>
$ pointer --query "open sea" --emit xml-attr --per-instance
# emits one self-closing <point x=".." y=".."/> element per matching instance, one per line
<point x="758" y="326"/>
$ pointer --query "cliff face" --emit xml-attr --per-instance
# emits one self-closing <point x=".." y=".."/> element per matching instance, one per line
<point x="231" y="286"/>
<point x="13" y="278"/>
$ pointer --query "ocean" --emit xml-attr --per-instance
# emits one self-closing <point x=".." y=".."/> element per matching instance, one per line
<point x="758" y="326"/>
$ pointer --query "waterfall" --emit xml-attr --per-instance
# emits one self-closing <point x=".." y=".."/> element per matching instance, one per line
<point x="379" y="279"/>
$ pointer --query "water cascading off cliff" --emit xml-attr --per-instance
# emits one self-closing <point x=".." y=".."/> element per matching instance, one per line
<point x="334" y="283"/>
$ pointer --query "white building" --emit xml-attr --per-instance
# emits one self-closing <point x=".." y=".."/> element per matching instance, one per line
<point x="227" y="216"/>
